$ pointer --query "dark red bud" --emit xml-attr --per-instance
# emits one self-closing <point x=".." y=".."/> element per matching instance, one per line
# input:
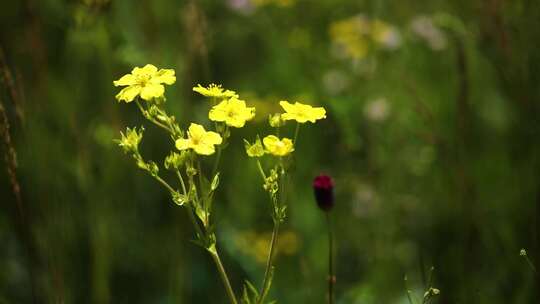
<point x="323" y="188"/>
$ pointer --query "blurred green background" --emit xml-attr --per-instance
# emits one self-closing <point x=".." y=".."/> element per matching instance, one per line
<point x="432" y="136"/>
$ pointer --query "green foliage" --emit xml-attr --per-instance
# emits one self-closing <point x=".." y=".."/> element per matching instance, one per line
<point x="433" y="140"/>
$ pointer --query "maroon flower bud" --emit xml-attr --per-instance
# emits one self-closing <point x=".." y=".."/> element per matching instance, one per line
<point x="323" y="187"/>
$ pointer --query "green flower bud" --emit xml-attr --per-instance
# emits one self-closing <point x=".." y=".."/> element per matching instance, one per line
<point x="129" y="141"/>
<point x="275" y="120"/>
<point x="174" y="161"/>
<point x="152" y="168"/>
<point x="254" y="150"/>
<point x="190" y="171"/>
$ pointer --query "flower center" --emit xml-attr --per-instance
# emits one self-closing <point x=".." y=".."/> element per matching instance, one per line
<point x="143" y="79"/>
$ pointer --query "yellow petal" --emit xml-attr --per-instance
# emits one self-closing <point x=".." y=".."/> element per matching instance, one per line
<point x="278" y="147"/>
<point x="182" y="144"/>
<point x="125" y="80"/>
<point x="196" y="130"/>
<point x="200" y="89"/>
<point x="149" y="69"/>
<point x="289" y="116"/>
<point x="317" y="113"/>
<point x="151" y="90"/>
<point x="270" y="141"/>
<point x="204" y="149"/>
<point x="136" y="71"/>
<point x="236" y="121"/>
<point x="165" y="76"/>
<point x="288" y="145"/>
<point x="212" y="138"/>
<point x="127" y="94"/>
<point x="218" y="112"/>
<point x="286" y="106"/>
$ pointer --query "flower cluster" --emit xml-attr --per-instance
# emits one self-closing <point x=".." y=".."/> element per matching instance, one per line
<point x="299" y="112"/>
<point x="195" y="188"/>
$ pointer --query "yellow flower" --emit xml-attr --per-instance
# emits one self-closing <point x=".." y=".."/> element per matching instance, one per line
<point x="214" y="90"/>
<point x="200" y="140"/>
<point x="276" y="146"/>
<point x="255" y="150"/>
<point x="233" y="112"/>
<point x="301" y="112"/>
<point x="146" y="82"/>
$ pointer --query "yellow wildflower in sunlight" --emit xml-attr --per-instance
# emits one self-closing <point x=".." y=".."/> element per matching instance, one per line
<point x="301" y="112"/>
<point x="276" y="146"/>
<point x="146" y="82"/>
<point x="233" y="112"/>
<point x="214" y="90"/>
<point x="200" y="140"/>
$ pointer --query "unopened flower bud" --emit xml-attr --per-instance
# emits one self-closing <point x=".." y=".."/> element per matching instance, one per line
<point x="254" y="150"/>
<point x="275" y="120"/>
<point x="323" y="188"/>
<point x="130" y="140"/>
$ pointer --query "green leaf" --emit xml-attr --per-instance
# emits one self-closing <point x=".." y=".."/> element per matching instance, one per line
<point x="215" y="182"/>
<point x="250" y="295"/>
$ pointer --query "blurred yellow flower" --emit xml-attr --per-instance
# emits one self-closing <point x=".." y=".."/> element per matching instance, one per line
<point x="146" y="82"/>
<point x="278" y="147"/>
<point x="200" y="140"/>
<point x="233" y="112"/>
<point x="349" y="35"/>
<point x="301" y="113"/>
<point x="214" y="90"/>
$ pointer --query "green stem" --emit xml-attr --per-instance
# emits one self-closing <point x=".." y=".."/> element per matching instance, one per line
<point x="269" y="262"/>
<point x="331" y="278"/>
<point x="216" y="162"/>
<point x="157" y="123"/>
<point x="205" y="201"/>
<point x="164" y="183"/>
<point x="219" y="148"/>
<point x="296" y="132"/>
<point x="215" y="256"/>
<point x="261" y="170"/>
<point x="408" y="291"/>
<point x="182" y="182"/>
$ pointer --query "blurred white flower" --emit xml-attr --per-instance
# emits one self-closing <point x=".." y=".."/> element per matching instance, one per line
<point x="335" y="81"/>
<point x="377" y="110"/>
<point x="424" y="28"/>
<point x="365" y="200"/>
<point x="386" y="35"/>
<point x="241" y="6"/>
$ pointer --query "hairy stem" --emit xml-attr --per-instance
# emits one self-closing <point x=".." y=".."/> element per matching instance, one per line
<point x="215" y="256"/>
<point x="157" y="123"/>
<point x="269" y="262"/>
<point x="261" y="170"/>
